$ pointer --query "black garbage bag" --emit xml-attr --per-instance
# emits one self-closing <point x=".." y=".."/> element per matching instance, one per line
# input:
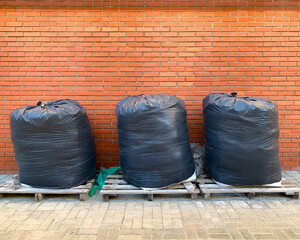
<point x="241" y="140"/>
<point x="154" y="141"/>
<point x="53" y="144"/>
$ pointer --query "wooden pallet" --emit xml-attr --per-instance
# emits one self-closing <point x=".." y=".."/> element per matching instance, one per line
<point x="9" y="184"/>
<point x="208" y="187"/>
<point x="115" y="185"/>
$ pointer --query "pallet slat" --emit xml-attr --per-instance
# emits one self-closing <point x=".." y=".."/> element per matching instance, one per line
<point x="208" y="186"/>
<point x="43" y="191"/>
<point x="130" y="187"/>
<point x="141" y="191"/>
<point x="189" y="186"/>
<point x="115" y="181"/>
<point x="115" y="185"/>
<point x="247" y="190"/>
<point x="115" y="176"/>
<point x="12" y="186"/>
<point x="214" y="186"/>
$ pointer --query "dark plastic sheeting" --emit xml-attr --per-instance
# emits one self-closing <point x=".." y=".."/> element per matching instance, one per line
<point x="154" y="140"/>
<point x="54" y="145"/>
<point x="241" y="140"/>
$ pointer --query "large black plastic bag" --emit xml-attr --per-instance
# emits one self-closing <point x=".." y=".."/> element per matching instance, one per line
<point x="53" y="144"/>
<point x="154" y="141"/>
<point x="241" y="140"/>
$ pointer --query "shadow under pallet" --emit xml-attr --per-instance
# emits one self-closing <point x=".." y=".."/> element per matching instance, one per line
<point x="9" y="184"/>
<point x="208" y="187"/>
<point x="115" y="185"/>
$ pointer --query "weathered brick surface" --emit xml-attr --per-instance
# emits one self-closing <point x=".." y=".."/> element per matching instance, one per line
<point x="98" y="52"/>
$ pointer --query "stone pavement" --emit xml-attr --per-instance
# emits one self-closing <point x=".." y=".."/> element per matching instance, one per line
<point x="133" y="217"/>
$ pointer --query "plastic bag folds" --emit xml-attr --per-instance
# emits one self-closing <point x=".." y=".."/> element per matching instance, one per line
<point x="53" y="144"/>
<point x="241" y="140"/>
<point x="154" y="141"/>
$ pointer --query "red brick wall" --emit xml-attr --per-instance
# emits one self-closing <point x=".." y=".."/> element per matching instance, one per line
<point x="98" y="52"/>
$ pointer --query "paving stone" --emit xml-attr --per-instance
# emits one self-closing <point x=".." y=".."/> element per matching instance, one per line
<point x="191" y="234"/>
<point x="137" y="223"/>
<point x="246" y="234"/>
<point x="85" y="237"/>
<point x="291" y="234"/>
<point x="102" y="233"/>
<point x="16" y="235"/>
<point x="146" y="234"/>
<point x="235" y="233"/>
<point x="221" y="236"/>
<point x="202" y="233"/>
<point x="265" y="236"/>
<point x="153" y="223"/>
<point x="70" y="234"/>
<point x="5" y="234"/>
<point x="280" y="234"/>
<point x="156" y="234"/>
<point x="130" y="237"/>
<point x="87" y="231"/>
<point x="174" y="236"/>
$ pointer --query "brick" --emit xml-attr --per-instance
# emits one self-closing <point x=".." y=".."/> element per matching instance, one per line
<point x="106" y="55"/>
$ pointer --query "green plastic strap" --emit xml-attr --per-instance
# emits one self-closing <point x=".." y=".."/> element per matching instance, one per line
<point x="100" y="181"/>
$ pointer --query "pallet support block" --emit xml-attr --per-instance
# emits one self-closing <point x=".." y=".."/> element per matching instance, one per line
<point x="150" y="197"/>
<point x="250" y="195"/>
<point x="192" y="189"/>
<point x="296" y="195"/>
<point x="194" y="196"/>
<point x="83" y="196"/>
<point x="105" y="197"/>
<point x="39" y="197"/>
<point x="206" y="196"/>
